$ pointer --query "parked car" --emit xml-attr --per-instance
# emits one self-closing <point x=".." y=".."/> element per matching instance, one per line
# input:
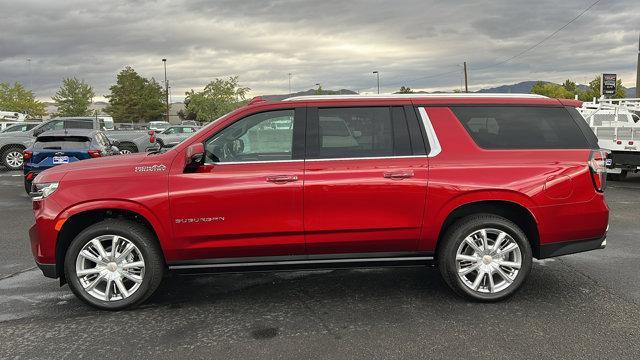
<point x="57" y="147"/>
<point x="158" y="126"/>
<point x="12" y="144"/>
<point x="189" y="122"/>
<point x="478" y="185"/>
<point x="21" y="127"/>
<point x="173" y="135"/>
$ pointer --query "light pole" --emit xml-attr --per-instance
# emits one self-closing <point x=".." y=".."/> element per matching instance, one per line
<point x="378" y="77"/>
<point x="166" y="87"/>
<point x="30" y="77"/>
<point x="289" y="83"/>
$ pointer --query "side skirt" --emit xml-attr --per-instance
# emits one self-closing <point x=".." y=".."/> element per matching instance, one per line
<point x="303" y="262"/>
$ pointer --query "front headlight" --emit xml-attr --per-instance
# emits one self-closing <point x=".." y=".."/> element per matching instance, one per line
<point x="41" y="191"/>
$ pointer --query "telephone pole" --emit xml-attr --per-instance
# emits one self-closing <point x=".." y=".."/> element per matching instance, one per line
<point x="378" y="77"/>
<point x="166" y="87"/>
<point x="466" y="81"/>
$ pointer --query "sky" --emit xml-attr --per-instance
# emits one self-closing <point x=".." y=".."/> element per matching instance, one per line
<point x="336" y="43"/>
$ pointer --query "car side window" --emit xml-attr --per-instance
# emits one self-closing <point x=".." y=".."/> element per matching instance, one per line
<point x="170" y="131"/>
<point x="266" y="136"/>
<point x="53" y="125"/>
<point x="355" y="132"/>
<point x="78" y="124"/>
<point x="188" y="130"/>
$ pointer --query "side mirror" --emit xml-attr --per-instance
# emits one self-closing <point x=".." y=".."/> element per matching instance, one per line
<point x="194" y="154"/>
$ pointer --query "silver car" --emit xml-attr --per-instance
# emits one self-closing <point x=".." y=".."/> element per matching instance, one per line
<point x="175" y="134"/>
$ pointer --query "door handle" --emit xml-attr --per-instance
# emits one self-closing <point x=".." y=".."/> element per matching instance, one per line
<point x="281" y="179"/>
<point x="398" y="175"/>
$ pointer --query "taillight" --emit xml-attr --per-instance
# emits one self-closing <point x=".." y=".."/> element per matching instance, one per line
<point x="26" y="155"/>
<point x="95" y="153"/>
<point x="152" y="136"/>
<point x="598" y="167"/>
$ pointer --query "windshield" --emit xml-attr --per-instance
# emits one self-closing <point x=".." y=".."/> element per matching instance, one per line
<point x="207" y="126"/>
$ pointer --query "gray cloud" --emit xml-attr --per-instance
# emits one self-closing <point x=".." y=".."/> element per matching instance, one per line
<point x="335" y="43"/>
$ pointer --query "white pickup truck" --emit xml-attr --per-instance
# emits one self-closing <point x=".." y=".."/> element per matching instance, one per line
<point x="617" y="125"/>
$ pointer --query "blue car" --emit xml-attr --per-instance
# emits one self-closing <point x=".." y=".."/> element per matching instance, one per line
<point x="57" y="147"/>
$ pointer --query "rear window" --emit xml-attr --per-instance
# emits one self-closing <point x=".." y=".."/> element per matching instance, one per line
<point x="521" y="127"/>
<point x="62" y="142"/>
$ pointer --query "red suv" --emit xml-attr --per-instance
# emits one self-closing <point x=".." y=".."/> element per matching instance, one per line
<point x="478" y="185"/>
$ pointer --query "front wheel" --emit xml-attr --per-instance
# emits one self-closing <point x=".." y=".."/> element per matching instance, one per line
<point x="114" y="264"/>
<point x="485" y="257"/>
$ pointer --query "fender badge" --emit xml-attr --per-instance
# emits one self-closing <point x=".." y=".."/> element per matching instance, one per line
<point x="150" y="168"/>
<point x="199" y="220"/>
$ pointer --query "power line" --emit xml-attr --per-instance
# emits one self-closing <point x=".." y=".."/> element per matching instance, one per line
<point x="508" y="59"/>
<point x="543" y="40"/>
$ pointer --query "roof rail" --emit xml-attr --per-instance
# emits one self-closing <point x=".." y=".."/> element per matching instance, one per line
<point x="415" y="96"/>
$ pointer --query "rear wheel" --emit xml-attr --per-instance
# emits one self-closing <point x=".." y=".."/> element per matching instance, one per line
<point x="127" y="149"/>
<point x="114" y="264"/>
<point x="485" y="257"/>
<point x="12" y="158"/>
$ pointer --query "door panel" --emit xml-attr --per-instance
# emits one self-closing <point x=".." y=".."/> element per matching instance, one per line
<point x="234" y="210"/>
<point x="364" y="189"/>
<point x="357" y="206"/>
<point x="246" y="200"/>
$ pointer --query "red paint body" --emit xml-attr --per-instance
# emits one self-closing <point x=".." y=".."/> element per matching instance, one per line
<point x="335" y="206"/>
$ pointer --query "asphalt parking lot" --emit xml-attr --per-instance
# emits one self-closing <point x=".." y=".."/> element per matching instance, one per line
<point x="577" y="306"/>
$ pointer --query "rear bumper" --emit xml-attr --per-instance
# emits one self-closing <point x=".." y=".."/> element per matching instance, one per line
<point x="570" y="247"/>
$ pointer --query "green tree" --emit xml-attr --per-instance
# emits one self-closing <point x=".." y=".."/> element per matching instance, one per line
<point x="570" y="86"/>
<point x="18" y="99"/>
<point x="73" y="98"/>
<point x="135" y="98"/>
<point x="405" y="90"/>
<point x="551" y="90"/>
<point x="219" y="97"/>
<point x="319" y="90"/>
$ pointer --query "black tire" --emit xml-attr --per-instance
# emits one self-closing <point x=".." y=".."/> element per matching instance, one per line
<point x="457" y="233"/>
<point x="128" y="147"/>
<point x="160" y="143"/>
<point x="142" y="238"/>
<point x="6" y="154"/>
<point x="27" y="186"/>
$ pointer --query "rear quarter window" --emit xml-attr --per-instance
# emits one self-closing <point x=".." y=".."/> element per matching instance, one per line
<point x="521" y="127"/>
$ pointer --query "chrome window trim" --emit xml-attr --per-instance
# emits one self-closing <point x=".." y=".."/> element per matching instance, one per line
<point x="415" y="96"/>
<point x="323" y="159"/>
<point x="371" y="158"/>
<point x="432" y="137"/>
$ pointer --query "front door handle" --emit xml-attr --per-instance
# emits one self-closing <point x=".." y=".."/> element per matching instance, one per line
<point x="398" y="175"/>
<point x="281" y="179"/>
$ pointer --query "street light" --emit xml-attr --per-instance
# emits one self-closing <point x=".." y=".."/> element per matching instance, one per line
<point x="166" y="87"/>
<point x="30" y="77"/>
<point x="318" y="91"/>
<point x="378" y="76"/>
<point x="289" y="83"/>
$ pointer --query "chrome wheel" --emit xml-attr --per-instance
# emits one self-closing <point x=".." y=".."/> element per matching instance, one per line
<point x="125" y="151"/>
<point x="14" y="159"/>
<point x="110" y="268"/>
<point x="488" y="260"/>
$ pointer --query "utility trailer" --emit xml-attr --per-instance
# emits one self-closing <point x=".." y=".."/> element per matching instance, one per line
<point x="616" y="123"/>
